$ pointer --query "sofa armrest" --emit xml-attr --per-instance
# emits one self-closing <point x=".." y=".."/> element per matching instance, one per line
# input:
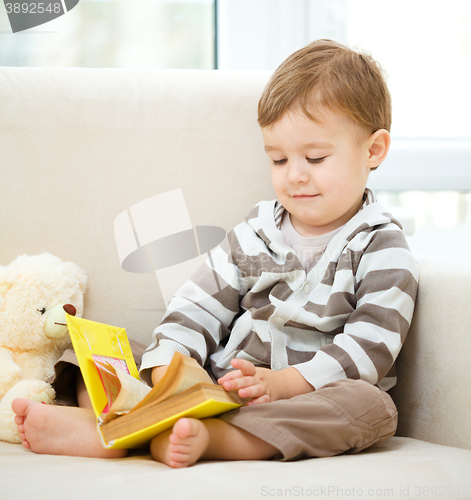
<point x="433" y="394"/>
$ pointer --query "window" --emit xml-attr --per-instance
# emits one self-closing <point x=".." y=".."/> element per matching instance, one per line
<point x="425" y="48"/>
<point x="146" y="34"/>
<point x="424" y="45"/>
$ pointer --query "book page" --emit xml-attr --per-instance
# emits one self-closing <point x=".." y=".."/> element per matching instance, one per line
<point x="182" y="373"/>
<point x="109" y="380"/>
<point x="128" y="394"/>
<point x="96" y="342"/>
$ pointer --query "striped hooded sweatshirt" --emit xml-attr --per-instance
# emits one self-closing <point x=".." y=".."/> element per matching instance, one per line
<point x="252" y="299"/>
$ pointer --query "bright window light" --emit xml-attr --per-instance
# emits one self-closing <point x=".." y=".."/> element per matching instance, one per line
<point x="142" y="34"/>
<point x="425" y="47"/>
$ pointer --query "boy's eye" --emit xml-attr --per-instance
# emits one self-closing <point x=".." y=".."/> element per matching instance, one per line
<point x="316" y="160"/>
<point x="309" y="160"/>
<point x="279" y="162"/>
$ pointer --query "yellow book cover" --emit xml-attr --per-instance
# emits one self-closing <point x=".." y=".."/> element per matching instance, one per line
<point x="129" y="413"/>
<point x="99" y="349"/>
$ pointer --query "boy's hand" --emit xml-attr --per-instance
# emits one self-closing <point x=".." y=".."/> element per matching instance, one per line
<point x="263" y="385"/>
<point x="157" y="373"/>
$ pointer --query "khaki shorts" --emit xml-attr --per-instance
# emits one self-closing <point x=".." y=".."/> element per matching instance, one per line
<point x="346" y="416"/>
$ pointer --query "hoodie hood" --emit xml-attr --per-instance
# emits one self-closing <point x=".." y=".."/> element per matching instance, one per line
<point x="265" y="219"/>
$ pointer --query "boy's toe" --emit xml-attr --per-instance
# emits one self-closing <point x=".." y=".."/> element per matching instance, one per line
<point x="20" y="407"/>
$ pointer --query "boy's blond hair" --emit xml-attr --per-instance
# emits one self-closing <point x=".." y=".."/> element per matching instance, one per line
<point x="327" y="74"/>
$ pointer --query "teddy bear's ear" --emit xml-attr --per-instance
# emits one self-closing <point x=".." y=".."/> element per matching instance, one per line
<point x="80" y="275"/>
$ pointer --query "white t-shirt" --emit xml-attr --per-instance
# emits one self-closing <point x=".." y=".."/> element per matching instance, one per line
<point x="308" y="249"/>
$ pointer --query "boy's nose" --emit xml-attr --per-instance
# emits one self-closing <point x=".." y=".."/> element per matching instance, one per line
<point x="298" y="172"/>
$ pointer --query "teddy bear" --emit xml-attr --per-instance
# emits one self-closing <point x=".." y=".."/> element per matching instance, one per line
<point x="36" y="292"/>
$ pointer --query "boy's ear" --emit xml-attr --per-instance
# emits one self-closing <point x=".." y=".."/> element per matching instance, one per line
<point x="378" y="147"/>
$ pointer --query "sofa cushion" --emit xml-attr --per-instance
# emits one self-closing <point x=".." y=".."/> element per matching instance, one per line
<point x="433" y="393"/>
<point x="402" y="468"/>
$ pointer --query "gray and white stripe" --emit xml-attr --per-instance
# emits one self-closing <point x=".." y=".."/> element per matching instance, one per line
<point x="347" y="318"/>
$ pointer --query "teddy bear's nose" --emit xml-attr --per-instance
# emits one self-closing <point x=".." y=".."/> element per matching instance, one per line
<point x="70" y="309"/>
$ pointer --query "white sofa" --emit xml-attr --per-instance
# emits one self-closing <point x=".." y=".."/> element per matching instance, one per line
<point x="78" y="148"/>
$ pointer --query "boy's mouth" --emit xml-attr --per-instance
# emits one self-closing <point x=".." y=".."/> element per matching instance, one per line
<point x="304" y="196"/>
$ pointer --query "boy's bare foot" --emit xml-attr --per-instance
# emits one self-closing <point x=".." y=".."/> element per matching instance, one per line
<point x="182" y="446"/>
<point x="60" y="430"/>
<point x="191" y="440"/>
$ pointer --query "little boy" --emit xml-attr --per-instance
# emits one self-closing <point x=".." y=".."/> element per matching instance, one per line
<point x="318" y="289"/>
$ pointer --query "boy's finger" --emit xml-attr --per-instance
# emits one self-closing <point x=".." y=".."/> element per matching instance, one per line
<point x="238" y="383"/>
<point x="246" y="367"/>
<point x="253" y="391"/>
<point x="263" y="399"/>
<point x="229" y="376"/>
<point x="232" y="384"/>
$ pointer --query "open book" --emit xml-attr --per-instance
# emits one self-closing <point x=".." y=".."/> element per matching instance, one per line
<point x="129" y="413"/>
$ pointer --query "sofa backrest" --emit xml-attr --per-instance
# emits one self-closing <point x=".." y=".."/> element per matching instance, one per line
<point x="82" y="147"/>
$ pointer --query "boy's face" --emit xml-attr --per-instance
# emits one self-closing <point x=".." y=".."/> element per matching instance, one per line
<point x="319" y="171"/>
